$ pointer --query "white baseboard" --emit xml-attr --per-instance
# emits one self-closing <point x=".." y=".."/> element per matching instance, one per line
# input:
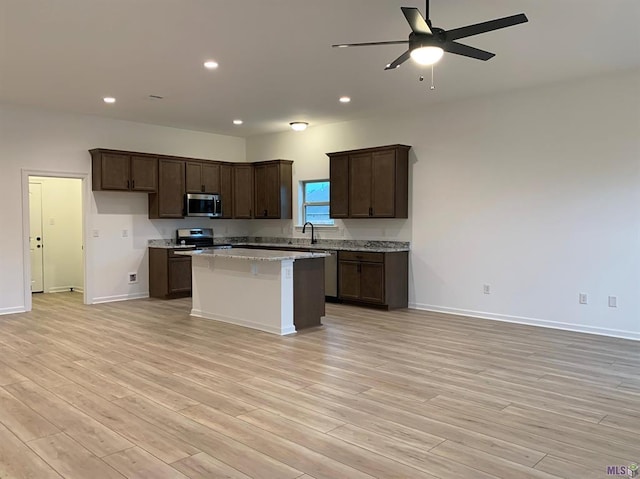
<point x="78" y="289"/>
<point x="60" y="289"/>
<point x="119" y="297"/>
<point x="579" y="328"/>
<point x="18" y="309"/>
<point x="242" y="322"/>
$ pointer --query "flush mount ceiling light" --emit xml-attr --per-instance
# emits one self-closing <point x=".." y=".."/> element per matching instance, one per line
<point x="298" y="125"/>
<point x="211" y="64"/>
<point x="238" y="122"/>
<point x="345" y="99"/>
<point x="109" y="99"/>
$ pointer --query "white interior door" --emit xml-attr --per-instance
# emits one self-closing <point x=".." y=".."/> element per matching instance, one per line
<point x="35" y="237"/>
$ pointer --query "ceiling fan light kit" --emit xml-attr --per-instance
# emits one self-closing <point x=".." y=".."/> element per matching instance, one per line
<point x="427" y="43"/>
<point x="298" y="125"/>
<point x="426" y="55"/>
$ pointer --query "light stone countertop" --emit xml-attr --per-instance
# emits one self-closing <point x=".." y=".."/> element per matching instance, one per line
<point x="169" y="245"/>
<point x="254" y="254"/>
<point x="325" y="247"/>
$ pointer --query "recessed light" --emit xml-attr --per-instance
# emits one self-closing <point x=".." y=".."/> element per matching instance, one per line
<point x="211" y="64"/>
<point x="109" y="99"/>
<point x="345" y="99"/>
<point x="298" y="125"/>
<point x="238" y="122"/>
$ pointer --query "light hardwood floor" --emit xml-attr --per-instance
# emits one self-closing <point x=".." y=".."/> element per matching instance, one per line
<point x="140" y="389"/>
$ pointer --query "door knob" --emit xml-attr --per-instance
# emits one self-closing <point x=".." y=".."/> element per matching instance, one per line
<point x="37" y="238"/>
<point x="38" y="246"/>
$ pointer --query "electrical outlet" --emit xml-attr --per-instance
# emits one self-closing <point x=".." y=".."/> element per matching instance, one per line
<point x="96" y="233"/>
<point x="133" y="278"/>
<point x="613" y="301"/>
<point x="486" y="289"/>
<point x="125" y="233"/>
<point x="582" y="298"/>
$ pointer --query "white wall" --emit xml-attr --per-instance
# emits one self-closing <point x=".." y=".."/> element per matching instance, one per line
<point x="535" y="192"/>
<point x="62" y="233"/>
<point x="37" y="140"/>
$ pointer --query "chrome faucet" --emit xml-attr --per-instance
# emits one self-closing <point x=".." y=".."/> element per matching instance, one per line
<point x="304" y="227"/>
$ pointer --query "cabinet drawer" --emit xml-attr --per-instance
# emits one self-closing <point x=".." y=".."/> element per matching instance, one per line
<point x="172" y="253"/>
<point x="361" y="256"/>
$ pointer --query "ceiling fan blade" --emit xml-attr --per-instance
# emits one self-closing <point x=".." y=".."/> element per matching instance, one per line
<point x="398" y="61"/>
<point x="484" y="27"/>
<point x="416" y="21"/>
<point x="467" y="51"/>
<point x="344" y="45"/>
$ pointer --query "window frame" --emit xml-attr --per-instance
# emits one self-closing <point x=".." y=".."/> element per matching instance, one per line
<point x="304" y="203"/>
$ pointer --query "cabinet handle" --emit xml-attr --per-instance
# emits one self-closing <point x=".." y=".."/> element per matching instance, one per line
<point x="128" y="184"/>
<point x="133" y="184"/>
<point x="202" y="188"/>
<point x="265" y="212"/>
<point x="370" y="211"/>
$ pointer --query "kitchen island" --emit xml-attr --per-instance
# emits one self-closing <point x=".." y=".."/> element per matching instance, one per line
<point x="280" y="292"/>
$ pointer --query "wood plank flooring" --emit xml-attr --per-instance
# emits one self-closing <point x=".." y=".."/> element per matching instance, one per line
<point x="140" y="389"/>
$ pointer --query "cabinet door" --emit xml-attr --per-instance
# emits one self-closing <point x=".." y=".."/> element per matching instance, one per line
<point x="260" y="175"/>
<point x="179" y="275"/>
<point x="242" y="191"/>
<point x="226" y="190"/>
<point x="372" y="282"/>
<point x="348" y="280"/>
<point x="193" y="177"/>
<point x="339" y="186"/>
<point x="144" y="173"/>
<point x="211" y="178"/>
<point x="267" y="191"/>
<point x="115" y="170"/>
<point x="360" y="175"/>
<point x="170" y="188"/>
<point x="383" y="189"/>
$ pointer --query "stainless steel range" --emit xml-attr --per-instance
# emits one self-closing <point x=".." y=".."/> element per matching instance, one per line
<point x="201" y="238"/>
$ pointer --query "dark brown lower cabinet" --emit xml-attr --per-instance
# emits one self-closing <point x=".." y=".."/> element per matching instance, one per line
<point x="380" y="279"/>
<point x="308" y="293"/>
<point x="169" y="274"/>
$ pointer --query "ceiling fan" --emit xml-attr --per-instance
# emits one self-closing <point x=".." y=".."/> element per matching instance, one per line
<point x="427" y="43"/>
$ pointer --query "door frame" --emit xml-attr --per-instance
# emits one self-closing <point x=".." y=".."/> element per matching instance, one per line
<point x="26" y="256"/>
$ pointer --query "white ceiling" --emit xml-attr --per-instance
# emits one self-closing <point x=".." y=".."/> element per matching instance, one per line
<point x="276" y="64"/>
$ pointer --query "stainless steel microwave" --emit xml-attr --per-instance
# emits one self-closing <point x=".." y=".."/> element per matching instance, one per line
<point x="203" y="204"/>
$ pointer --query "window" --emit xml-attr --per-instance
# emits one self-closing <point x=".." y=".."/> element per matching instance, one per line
<point x="315" y="202"/>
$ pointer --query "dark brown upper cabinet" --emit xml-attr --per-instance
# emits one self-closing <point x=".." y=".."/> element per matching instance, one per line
<point x="123" y="171"/>
<point x="242" y="190"/>
<point x="226" y="190"/>
<point x="273" y="183"/>
<point x="339" y="186"/>
<point x="370" y="183"/>
<point x="202" y="177"/>
<point x="247" y="190"/>
<point x="168" y="202"/>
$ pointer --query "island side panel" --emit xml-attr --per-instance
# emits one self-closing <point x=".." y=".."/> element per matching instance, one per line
<point x="242" y="292"/>
<point x="308" y="293"/>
